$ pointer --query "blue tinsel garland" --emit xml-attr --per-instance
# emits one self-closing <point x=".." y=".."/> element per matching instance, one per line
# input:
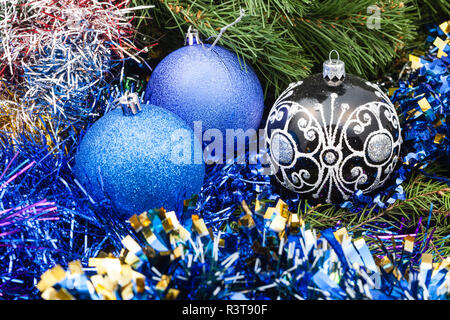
<point x="47" y="219"/>
<point x="267" y="254"/>
<point x="424" y="100"/>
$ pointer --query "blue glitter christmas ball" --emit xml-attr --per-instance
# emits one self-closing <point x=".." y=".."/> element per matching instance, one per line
<point x="144" y="161"/>
<point x="211" y="86"/>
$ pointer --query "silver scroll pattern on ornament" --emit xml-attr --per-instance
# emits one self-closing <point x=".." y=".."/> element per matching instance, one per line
<point x="331" y="164"/>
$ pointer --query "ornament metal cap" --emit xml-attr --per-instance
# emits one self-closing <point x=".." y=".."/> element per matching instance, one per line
<point x="192" y="37"/>
<point x="334" y="70"/>
<point x="130" y="104"/>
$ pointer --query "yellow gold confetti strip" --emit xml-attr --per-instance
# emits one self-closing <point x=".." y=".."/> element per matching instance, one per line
<point x="199" y="226"/>
<point x="415" y="62"/>
<point x="116" y="277"/>
<point x="445" y="27"/>
<point x="424" y="104"/>
<point x="441" y="44"/>
<point x="51" y="277"/>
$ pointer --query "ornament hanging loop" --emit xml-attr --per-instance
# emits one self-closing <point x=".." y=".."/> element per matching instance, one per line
<point x="192" y="37"/>
<point x="331" y="52"/>
<point x="130" y="104"/>
<point x="334" y="70"/>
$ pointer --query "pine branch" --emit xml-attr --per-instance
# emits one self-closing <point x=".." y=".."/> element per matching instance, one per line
<point x="436" y="10"/>
<point x="283" y="40"/>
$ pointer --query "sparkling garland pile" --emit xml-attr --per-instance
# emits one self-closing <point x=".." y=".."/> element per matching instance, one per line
<point x="268" y="253"/>
<point x="12" y="119"/>
<point x="65" y="53"/>
<point x="227" y="185"/>
<point x="60" y="55"/>
<point x="424" y="100"/>
<point x="16" y="121"/>
<point x="57" y="58"/>
<point x="84" y="227"/>
<point x="45" y="218"/>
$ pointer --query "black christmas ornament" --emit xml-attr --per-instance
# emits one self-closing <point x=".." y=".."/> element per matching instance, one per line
<point x="333" y="134"/>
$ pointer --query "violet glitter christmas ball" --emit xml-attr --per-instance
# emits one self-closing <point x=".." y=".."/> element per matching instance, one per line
<point x="137" y="161"/>
<point x="199" y="82"/>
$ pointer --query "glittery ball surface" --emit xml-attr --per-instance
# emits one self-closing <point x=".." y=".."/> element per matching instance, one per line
<point x="140" y="162"/>
<point x="212" y="86"/>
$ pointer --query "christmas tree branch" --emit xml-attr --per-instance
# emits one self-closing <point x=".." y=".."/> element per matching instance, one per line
<point x="283" y="40"/>
<point x="436" y="10"/>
